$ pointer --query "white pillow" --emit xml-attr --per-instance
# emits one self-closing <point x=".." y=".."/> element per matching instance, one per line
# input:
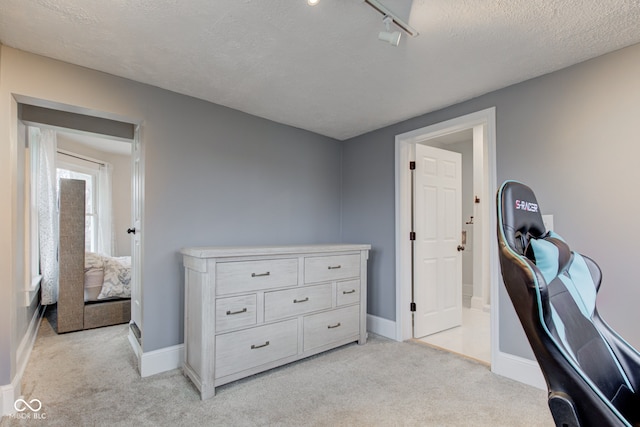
<point x="117" y="278"/>
<point x="93" y="278"/>
<point x="92" y="260"/>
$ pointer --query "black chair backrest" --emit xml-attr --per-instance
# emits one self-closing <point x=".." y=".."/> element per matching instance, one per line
<point x="554" y="293"/>
<point x="521" y="216"/>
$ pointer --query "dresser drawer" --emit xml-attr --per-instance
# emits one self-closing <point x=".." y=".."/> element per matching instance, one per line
<point x="237" y="351"/>
<point x="328" y="268"/>
<point x="293" y="302"/>
<point x="243" y="276"/>
<point x="348" y="292"/>
<point x="324" y="328"/>
<point x="235" y="312"/>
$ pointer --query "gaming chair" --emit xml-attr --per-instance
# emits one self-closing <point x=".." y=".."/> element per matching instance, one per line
<point x="592" y="374"/>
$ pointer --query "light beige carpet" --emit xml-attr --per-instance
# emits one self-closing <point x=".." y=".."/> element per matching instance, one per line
<point x="89" y="378"/>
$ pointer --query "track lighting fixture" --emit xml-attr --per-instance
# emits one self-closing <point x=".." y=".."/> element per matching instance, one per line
<point x="393" y="38"/>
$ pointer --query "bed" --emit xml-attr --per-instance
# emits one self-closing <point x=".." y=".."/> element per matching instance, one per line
<point x="94" y="289"/>
<point x="106" y="278"/>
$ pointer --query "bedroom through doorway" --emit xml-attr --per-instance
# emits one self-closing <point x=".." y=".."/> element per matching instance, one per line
<point x="94" y="154"/>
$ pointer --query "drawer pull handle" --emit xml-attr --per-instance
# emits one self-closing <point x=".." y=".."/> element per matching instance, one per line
<point x="296" y="301"/>
<point x="352" y="291"/>
<point x="333" y="326"/>
<point x="268" y="273"/>
<point x="253" y="346"/>
<point x="229" y="312"/>
<point x="334" y="267"/>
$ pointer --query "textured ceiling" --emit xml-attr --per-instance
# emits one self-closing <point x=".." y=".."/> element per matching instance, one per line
<point x="322" y="68"/>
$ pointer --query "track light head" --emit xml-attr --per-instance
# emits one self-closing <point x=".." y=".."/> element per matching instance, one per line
<point x="392" y="38"/>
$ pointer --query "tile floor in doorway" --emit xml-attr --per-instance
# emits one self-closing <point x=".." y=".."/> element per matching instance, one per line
<point x="472" y="339"/>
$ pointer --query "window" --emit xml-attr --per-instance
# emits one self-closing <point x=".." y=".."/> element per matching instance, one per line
<point x="71" y="166"/>
<point x="90" y="228"/>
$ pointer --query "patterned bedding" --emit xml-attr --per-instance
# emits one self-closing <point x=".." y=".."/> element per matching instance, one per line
<point x="106" y="277"/>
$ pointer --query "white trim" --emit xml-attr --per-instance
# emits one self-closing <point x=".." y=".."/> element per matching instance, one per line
<point x="405" y="144"/>
<point x="161" y="360"/>
<point x="169" y="358"/>
<point x="25" y="347"/>
<point x="8" y="395"/>
<point x="404" y="152"/>
<point x="157" y="361"/>
<point x="32" y="291"/>
<point x="477" y="303"/>
<point x="381" y="326"/>
<point x="518" y="368"/>
<point x="34" y="286"/>
<point x="10" y="392"/>
<point x="135" y="346"/>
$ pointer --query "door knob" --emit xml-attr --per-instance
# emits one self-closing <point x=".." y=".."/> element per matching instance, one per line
<point x="131" y="231"/>
<point x="460" y="248"/>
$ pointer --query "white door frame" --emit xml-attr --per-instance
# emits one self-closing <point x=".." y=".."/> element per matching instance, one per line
<point x="405" y="148"/>
<point x="508" y="365"/>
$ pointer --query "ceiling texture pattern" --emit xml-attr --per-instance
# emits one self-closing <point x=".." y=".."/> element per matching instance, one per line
<point x="322" y="68"/>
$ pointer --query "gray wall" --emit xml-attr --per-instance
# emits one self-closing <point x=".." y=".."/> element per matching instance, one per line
<point x="368" y="213"/>
<point x="213" y="176"/>
<point x="574" y="136"/>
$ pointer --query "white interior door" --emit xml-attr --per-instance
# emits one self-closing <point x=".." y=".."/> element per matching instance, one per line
<point x="438" y="227"/>
<point x="135" y="232"/>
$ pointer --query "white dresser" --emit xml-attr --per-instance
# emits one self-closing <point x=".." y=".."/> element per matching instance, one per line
<point x="249" y="309"/>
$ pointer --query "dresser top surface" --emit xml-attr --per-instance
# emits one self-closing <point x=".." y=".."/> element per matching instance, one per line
<point x="237" y="251"/>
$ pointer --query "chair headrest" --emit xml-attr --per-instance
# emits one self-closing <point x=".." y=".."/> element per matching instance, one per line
<point x="551" y="255"/>
<point x="519" y="214"/>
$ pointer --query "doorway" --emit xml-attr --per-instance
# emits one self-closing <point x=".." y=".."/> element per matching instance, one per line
<point x="469" y="334"/>
<point x="474" y="135"/>
<point x="87" y="142"/>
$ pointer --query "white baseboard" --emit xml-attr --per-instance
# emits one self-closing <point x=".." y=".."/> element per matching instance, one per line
<point x="10" y="392"/>
<point x="162" y="360"/>
<point x="476" y="302"/>
<point x="169" y="358"/>
<point x="135" y="346"/>
<point x="519" y="369"/>
<point x="467" y="290"/>
<point x="157" y="361"/>
<point x="510" y="366"/>
<point x="381" y="326"/>
<point x="8" y="395"/>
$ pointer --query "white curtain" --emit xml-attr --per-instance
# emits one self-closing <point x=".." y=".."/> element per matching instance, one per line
<point x="106" y="237"/>
<point x="44" y="140"/>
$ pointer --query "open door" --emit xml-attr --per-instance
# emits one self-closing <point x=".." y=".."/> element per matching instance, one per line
<point x="437" y="246"/>
<point x="136" y="240"/>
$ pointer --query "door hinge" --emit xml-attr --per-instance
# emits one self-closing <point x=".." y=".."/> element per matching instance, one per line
<point x="412" y="165"/>
<point x="412" y="235"/>
<point x="413" y="306"/>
